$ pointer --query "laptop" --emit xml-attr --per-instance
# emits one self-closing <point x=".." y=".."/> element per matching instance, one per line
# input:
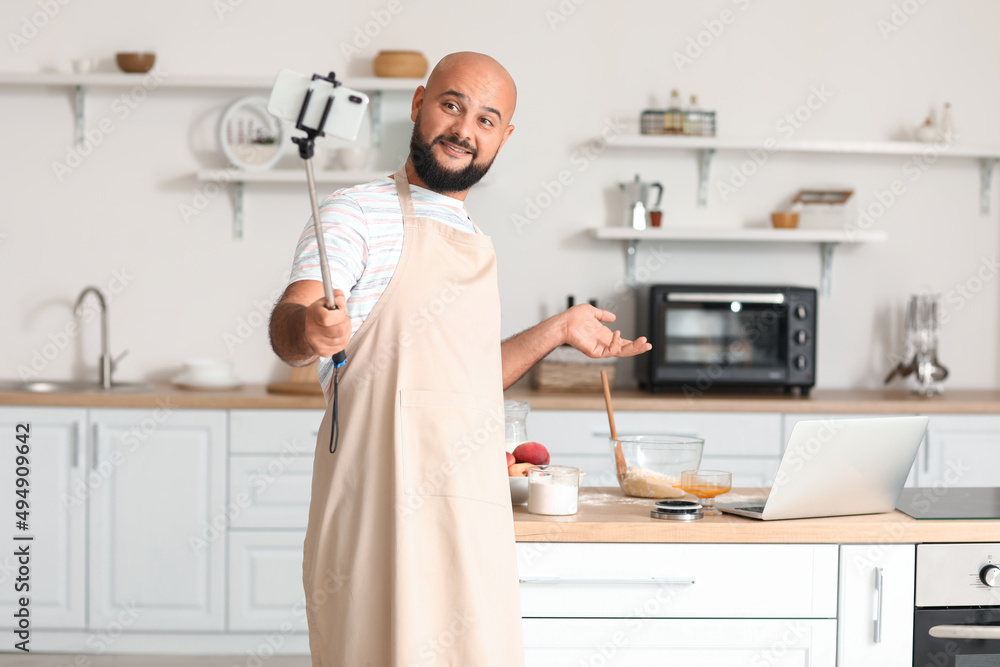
<point x="838" y="467"/>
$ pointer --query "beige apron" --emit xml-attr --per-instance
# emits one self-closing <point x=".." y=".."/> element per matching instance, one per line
<point x="409" y="553"/>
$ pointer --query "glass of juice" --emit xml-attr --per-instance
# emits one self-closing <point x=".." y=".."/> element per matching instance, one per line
<point x="707" y="484"/>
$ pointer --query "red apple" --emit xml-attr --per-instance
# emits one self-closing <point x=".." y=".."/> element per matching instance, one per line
<point x="510" y="459"/>
<point x="519" y="470"/>
<point x="532" y="452"/>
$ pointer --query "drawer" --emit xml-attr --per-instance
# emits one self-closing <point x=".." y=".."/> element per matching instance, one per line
<point x="725" y="434"/>
<point x="270" y="491"/>
<point x="613" y="642"/>
<point x="273" y="431"/>
<point x="265" y="581"/>
<point x="677" y="580"/>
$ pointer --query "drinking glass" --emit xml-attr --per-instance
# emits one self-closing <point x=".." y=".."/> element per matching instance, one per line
<point x="706" y="485"/>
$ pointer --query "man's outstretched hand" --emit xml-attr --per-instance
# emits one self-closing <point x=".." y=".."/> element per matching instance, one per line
<point x="584" y="330"/>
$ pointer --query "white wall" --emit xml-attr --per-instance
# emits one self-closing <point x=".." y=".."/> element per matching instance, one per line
<point x="190" y="283"/>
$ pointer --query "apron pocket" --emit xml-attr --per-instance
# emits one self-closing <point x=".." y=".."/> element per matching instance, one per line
<point x="452" y="446"/>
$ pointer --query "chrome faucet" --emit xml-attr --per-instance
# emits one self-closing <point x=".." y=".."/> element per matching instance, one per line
<point x="107" y="364"/>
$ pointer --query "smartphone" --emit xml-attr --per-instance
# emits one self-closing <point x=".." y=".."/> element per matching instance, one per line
<point x="346" y="113"/>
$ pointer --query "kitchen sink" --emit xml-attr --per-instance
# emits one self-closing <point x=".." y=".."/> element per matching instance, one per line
<point x="72" y="386"/>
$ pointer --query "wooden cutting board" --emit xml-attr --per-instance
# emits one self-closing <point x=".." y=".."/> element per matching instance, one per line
<point x="302" y="381"/>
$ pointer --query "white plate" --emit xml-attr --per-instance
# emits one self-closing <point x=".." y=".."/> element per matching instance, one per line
<point x="185" y="382"/>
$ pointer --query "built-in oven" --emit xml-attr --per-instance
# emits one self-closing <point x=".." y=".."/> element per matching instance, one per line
<point x="956" y="622"/>
<point x="726" y="337"/>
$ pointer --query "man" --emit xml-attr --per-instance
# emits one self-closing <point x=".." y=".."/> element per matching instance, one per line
<point x="409" y="552"/>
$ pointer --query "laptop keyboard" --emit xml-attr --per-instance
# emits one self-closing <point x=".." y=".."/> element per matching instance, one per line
<point x="752" y="508"/>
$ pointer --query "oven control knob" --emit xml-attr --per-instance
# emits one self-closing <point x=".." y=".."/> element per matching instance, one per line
<point x="800" y="363"/>
<point x="990" y="575"/>
<point x="800" y="312"/>
<point x="801" y="337"/>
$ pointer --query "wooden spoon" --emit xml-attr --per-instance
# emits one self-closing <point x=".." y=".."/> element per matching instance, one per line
<point x="620" y="466"/>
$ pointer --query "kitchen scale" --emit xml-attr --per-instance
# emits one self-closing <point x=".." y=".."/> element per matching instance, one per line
<point x="981" y="502"/>
<point x="677" y="510"/>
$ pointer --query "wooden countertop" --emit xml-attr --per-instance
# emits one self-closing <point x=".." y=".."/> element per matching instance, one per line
<point x="607" y="515"/>
<point x="251" y="396"/>
<point x="824" y="401"/>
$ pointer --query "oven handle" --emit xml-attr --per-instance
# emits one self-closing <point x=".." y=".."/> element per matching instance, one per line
<point x="726" y="297"/>
<point x="965" y="631"/>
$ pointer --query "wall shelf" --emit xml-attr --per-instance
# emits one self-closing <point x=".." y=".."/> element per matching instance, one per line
<point x="826" y="239"/>
<point x="988" y="156"/>
<point x="237" y="177"/>
<point x="375" y="86"/>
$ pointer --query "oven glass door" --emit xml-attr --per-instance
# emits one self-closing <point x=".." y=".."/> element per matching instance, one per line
<point x="957" y="637"/>
<point x="735" y="336"/>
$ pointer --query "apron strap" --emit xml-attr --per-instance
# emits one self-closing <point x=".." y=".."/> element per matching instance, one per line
<point x="403" y="190"/>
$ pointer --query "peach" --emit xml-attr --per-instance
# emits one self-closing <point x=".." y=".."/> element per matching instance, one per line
<point x="519" y="470"/>
<point x="532" y="452"/>
<point x="510" y="459"/>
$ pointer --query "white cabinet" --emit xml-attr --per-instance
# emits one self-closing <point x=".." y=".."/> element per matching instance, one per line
<point x="57" y="499"/>
<point x="158" y="518"/>
<point x="914" y="478"/>
<point x="699" y="604"/>
<point x="265" y="581"/>
<point x="747" y="444"/>
<point x="875" y="622"/>
<point x="962" y="450"/>
<point x="270" y="491"/>
<point x="644" y="641"/>
<point x="274" y="431"/>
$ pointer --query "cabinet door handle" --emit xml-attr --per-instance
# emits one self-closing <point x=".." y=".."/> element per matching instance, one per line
<point x="78" y="443"/>
<point x="98" y="431"/>
<point x="572" y="580"/>
<point x="927" y="452"/>
<point x="965" y="632"/>
<point x="877" y="634"/>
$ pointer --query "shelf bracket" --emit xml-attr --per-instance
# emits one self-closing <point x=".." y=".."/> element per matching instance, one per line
<point x="630" y="255"/>
<point x="704" y="167"/>
<point x="825" y="267"/>
<point x="78" y="115"/>
<point x="986" y="165"/>
<point x="376" y="107"/>
<point x="238" y="210"/>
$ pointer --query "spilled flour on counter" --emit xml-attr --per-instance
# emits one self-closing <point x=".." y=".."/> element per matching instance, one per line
<point x="612" y="499"/>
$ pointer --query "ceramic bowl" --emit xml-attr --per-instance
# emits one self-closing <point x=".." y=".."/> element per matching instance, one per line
<point x="400" y="64"/>
<point x="135" y="63"/>
<point x="518" y="490"/>
<point x="785" y="219"/>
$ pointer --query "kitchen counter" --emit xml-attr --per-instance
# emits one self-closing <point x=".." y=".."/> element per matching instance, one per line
<point x="607" y="515"/>
<point x="825" y="401"/>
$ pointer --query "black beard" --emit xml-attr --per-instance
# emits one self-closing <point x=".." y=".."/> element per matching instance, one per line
<point x="434" y="175"/>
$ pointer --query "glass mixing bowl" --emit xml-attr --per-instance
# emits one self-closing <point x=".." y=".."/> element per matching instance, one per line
<point x="650" y="466"/>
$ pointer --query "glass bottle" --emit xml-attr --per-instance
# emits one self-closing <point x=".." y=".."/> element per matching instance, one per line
<point x="673" y="118"/>
<point x="692" y="118"/>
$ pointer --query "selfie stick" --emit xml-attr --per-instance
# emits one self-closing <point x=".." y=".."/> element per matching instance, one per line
<point x="306" y="146"/>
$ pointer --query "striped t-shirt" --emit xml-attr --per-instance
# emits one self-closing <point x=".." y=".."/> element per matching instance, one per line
<point x="363" y="231"/>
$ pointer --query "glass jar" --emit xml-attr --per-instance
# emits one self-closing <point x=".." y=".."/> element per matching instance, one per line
<point x="515" y="423"/>
<point x="553" y="490"/>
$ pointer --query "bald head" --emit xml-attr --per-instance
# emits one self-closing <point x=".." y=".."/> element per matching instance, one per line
<point x="490" y="76"/>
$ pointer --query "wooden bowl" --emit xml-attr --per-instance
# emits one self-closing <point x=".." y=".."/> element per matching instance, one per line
<point x="785" y="220"/>
<point x="135" y="63"/>
<point x="400" y="64"/>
